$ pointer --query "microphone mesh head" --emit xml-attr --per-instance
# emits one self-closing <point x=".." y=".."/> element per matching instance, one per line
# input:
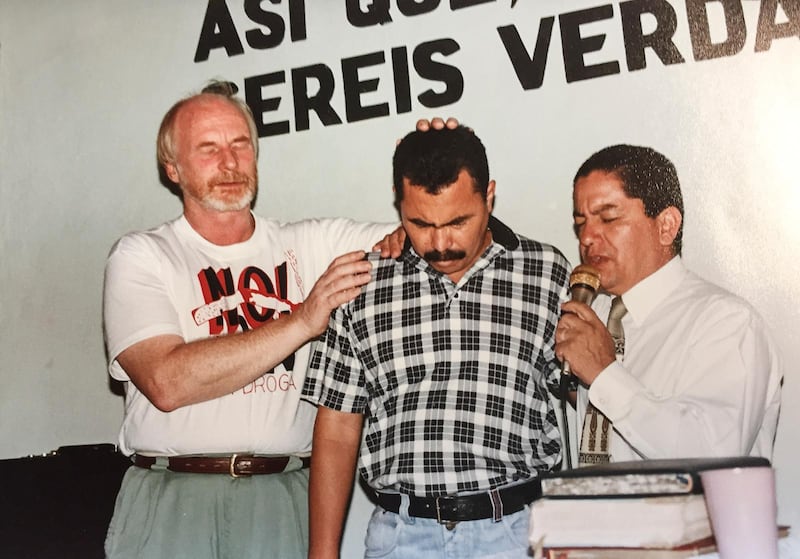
<point x="585" y="275"/>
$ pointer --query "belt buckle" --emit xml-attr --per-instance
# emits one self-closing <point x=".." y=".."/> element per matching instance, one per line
<point x="449" y="524"/>
<point x="232" y="465"/>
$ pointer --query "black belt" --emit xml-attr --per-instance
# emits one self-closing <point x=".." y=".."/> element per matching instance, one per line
<point x="493" y="504"/>
<point x="235" y="465"/>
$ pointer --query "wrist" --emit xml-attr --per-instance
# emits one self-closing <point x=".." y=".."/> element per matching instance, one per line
<point x="303" y="323"/>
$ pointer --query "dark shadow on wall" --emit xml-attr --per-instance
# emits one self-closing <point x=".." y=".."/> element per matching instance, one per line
<point x="59" y="505"/>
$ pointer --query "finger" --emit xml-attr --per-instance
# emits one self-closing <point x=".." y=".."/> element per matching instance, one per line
<point x="350" y="281"/>
<point x="344" y="277"/>
<point x="344" y="289"/>
<point x="437" y="123"/>
<point x="384" y="246"/>
<point x="452" y="123"/>
<point x="561" y="333"/>
<point x="578" y="309"/>
<point x="423" y="125"/>
<point x="354" y="256"/>
<point x="331" y="280"/>
<point x="396" y="248"/>
<point x="351" y="262"/>
<point x="398" y="241"/>
<point x="392" y="244"/>
<point x="344" y="266"/>
<point x="568" y="320"/>
<point x="560" y="349"/>
<point x="386" y="249"/>
<point x="565" y="333"/>
<point x="345" y="296"/>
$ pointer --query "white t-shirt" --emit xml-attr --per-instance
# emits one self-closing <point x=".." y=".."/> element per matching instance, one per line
<point x="700" y="375"/>
<point x="170" y="280"/>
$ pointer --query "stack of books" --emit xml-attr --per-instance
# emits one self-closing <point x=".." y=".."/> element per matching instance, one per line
<point x="652" y="509"/>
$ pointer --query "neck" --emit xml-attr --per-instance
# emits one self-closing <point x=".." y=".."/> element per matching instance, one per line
<point x="220" y="228"/>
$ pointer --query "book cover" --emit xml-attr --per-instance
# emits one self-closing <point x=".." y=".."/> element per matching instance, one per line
<point x="694" y="548"/>
<point x="641" y="477"/>
<point x="691" y="549"/>
<point x="665" y="521"/>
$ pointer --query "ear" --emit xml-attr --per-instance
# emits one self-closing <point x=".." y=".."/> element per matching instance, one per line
<point x="490" y="196"/>
<point x="172" y="172"/>
<point x="669" y="223"/>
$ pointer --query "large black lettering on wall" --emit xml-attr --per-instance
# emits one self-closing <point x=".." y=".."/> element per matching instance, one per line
<point x="659" y="41"/>
<point x="219" y="30"/>
<point x="575" y="45"/>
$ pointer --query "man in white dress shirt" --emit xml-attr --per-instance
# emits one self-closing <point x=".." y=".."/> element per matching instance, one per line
<point x="700" y="375"/>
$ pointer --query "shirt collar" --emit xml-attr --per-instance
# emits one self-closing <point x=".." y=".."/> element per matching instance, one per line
<point x="642" y="298"/>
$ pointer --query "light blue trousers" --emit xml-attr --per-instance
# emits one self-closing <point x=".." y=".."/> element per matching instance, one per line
<point x="399" y="536"/>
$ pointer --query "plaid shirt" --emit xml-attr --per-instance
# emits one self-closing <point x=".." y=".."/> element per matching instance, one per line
<point x="452" y="378"/>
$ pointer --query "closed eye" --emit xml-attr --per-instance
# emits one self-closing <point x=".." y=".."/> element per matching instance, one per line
<point x="207" y="148"/>
<point x="577" y="225"/>
<point x="455" y="223"/>
<point x="243" y="143"/>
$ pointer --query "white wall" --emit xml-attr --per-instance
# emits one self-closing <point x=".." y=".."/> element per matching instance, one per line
<point x="83" y="85"/>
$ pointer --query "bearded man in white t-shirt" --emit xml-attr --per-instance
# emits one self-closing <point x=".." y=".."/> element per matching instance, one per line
<point x="206" y="319"/>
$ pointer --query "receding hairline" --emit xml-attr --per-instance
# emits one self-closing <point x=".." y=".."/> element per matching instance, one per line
<point x="165" y="143"/>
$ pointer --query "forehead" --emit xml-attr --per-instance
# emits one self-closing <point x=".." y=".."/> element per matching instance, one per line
<point x="207" y="114"/>
<point x="458" y="199"/>
<point x="599" y="189"/>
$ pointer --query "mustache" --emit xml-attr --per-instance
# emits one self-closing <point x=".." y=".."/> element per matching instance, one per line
<point x="233" y="176"/>
<point x="438" y="256"/>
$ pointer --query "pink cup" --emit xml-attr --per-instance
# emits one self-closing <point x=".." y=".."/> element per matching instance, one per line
<point x="743" y="511"/>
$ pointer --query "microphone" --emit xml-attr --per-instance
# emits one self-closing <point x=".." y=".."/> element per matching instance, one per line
<point x="583" y="284"/>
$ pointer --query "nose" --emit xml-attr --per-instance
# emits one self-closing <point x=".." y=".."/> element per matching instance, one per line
<point x="228" y="159"/>
<point x="440" y="239"/>
<point x="587" y="234"/>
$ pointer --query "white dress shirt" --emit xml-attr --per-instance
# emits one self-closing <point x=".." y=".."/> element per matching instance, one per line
<point x="700" y="375"/>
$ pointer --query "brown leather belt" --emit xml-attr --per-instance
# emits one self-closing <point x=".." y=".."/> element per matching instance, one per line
<point x="235" y="465"/>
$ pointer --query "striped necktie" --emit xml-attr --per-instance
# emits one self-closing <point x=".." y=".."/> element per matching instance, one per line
<point x="595" y="424"/>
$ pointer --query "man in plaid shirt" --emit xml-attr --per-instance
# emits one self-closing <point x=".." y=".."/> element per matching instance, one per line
<point x="449" y="355"/>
